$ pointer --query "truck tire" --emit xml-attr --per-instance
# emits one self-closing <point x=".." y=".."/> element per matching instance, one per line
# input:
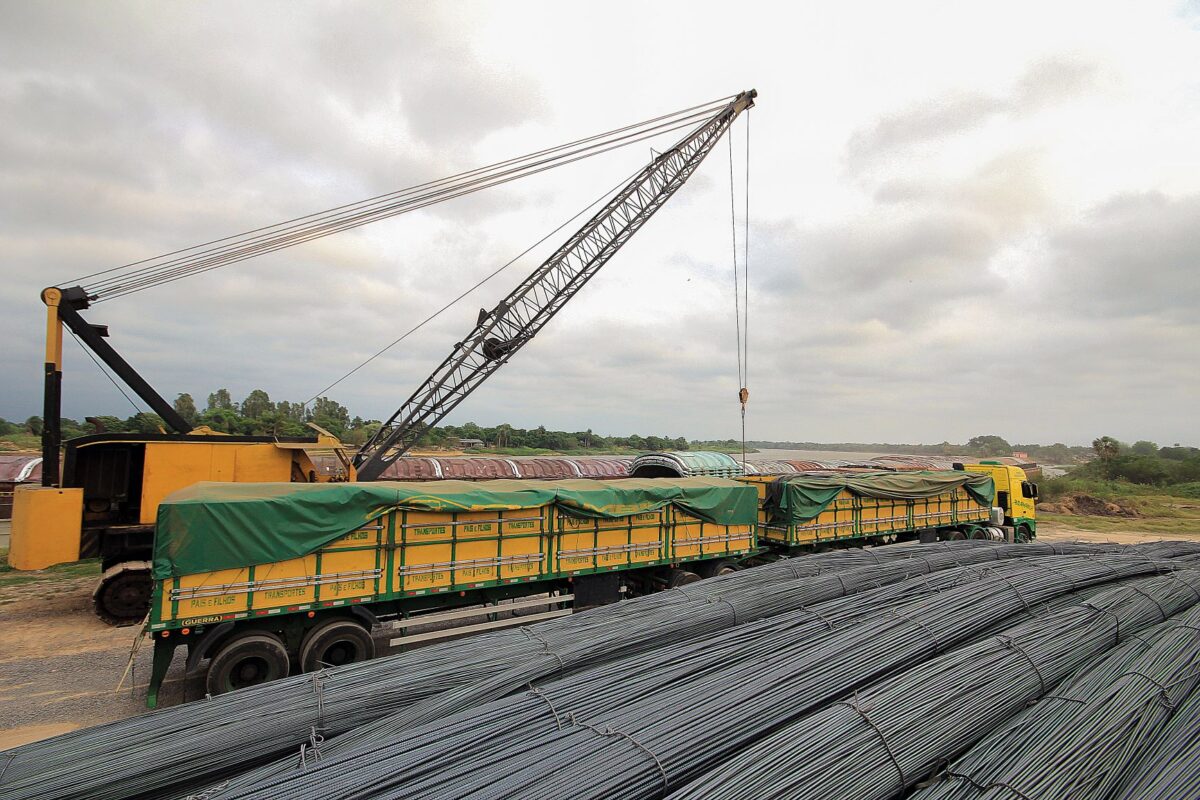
<point x="680" y="577"/>
<point x="247" y="659"/>
<point x="715" y="567"/>
<point x="123" y="595"/>
<point x="336" y="642"/>
<point x="1024" y="534"/>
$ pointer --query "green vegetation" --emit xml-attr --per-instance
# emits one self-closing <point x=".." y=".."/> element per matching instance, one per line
<point x="258" y="415"/>
<point x="507" y="440"/>
<point x="1142" y="464"/>
<point x="1160" y="485"/>
<point x="981" y="446"/>
<point x="10" y="577"/>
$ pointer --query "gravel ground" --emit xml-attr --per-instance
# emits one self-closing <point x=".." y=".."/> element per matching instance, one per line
<point x="59" y="664"/>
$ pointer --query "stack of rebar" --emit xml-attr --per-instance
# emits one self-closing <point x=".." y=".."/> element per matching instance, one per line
<point x="228" y="734"/>
<point x="879" y="742"/>
<point x="636" y="729"/>
<point x="669" y="692"/>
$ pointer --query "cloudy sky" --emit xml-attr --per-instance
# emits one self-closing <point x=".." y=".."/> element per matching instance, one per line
<point x="962" y="220"/>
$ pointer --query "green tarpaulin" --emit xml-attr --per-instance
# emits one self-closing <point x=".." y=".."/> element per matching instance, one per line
<point x="211" y="526"/>
<point x="800" y="498"/>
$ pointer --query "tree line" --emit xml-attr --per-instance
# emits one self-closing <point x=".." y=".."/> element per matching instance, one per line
<point x="258" y="415"/>
<point x="1142" y="462"/>
<point x="982" y="446"/>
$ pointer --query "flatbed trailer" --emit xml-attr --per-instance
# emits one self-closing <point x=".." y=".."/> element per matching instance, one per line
<point x="264" y="579"/>
<point x="258" y="577"/>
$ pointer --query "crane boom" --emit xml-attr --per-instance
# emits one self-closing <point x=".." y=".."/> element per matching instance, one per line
<point x="501" y="332"/>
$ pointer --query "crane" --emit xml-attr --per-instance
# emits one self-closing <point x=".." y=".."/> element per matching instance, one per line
<point x="104" y="501"/>
<point x="506" y="328"/>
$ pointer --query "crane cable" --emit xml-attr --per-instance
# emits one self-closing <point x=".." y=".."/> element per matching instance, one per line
<point x="741" y="288"/>
<point x="146" y="273"/>
<point x="472" y="288"/>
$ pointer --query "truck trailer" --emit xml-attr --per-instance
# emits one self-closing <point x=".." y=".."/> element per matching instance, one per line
<point x="262" y="579"/>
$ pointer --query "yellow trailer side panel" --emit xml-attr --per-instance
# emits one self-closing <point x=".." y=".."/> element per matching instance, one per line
<point x="425" y="551"/>
<point x="692" y="537"/>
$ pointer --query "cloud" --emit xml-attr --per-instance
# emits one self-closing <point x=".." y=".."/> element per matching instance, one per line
<point x="1044" y="84"/>
<point x="949" y="235"/>
<point x="1136" y="255"/>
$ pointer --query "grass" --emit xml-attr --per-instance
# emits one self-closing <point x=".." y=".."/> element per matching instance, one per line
<point x="1158" y="512"/>
<point x="10" y="577"/>
<point x="15" y="442"/>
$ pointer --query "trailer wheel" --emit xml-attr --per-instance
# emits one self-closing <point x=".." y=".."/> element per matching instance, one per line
<point x="334" y="643"/>
<point x="247" y="659"/>
<point x="680" y="577"/>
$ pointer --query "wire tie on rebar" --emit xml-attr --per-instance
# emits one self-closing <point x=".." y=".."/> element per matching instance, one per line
<point x="1161" y="612"/>
<point x="962" y="776"/>
<point x="1116" y="619"/>
<point x="1017" y="592"/>
<point x="1058" y="573"/>
<point x="818" y="615"/>
<point x="12" y="756"/>
<point x="318" y="683"/>
<point x="562" y="667"/>
<point x="1010" y="643"/>
<point x="1015" y="791"/>
<point x="882" y="739"/>
<point x="732" y="608"/>
<point x="937" y="646"/>
<point x="208" y="793"/>
<point x="1164" y="698"/>
<point x="937" y="773"/>
<point x="532" y="634"/>
<point x="537" y="692"/>
<point x="1173" y="576"/>
<point x="610" y="733"/>
<point x="1065" y="699"/>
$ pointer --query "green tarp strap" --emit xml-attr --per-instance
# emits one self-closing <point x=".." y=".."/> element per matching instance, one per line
<point x="800" y="498"/>
<point x="212" y="526"/>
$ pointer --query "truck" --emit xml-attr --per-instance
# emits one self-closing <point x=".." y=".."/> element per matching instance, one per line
<point x="255" y="578"/>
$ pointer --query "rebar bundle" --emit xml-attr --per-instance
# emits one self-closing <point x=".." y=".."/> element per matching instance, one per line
<point x="651" y="667"/>
<point x="228" y="734"/>
<point x="1170" y="768"/>
<point x="878" y="742"/>
<point x="968" y="777"/>
<point x="1090" y="756"/>
<point x="631" y="699"/>
<point x="640" y="732"/>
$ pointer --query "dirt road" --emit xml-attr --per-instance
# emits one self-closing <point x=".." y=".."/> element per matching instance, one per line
<point x="1057" y="531"/>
